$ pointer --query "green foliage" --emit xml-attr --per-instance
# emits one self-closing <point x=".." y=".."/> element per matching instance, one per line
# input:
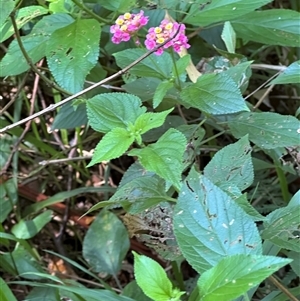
<point x="210" y="159"/>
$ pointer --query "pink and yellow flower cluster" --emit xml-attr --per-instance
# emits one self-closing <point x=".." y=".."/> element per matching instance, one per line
<point x="127" y="26"/>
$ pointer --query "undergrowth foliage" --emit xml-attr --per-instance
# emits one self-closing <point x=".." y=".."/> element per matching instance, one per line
<point x="201" y="137"/>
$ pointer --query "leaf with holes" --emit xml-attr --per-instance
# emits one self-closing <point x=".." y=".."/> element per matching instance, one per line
<point x="212" y="12"/>
<point x="73" y="52"/>
<point x="230" y="283"/>
<point x="271" y="26"/>
<point x="113" y="145"/>
<point x="106" y="243"/>
<point x="282" y="227"/>
<point x="214" y="94"/>
<point x="291" y="75"/>
<point x="267" y="130"/>
<point x="165" y="156"/>
<point x="232" y="165"/>
<point x="210" y="226"/>
<point x="110" y="110"/>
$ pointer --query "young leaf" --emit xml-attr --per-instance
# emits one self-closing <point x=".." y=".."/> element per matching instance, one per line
<point x="5" y="292"/>
<point x="209" y="225"/>
<point x="232" y="165"/>
<point x="214" y="94"/>
<point x="291" y="75"/>
<point x="152" y="66"/>
<point x="273" y="27"/>
<point x="27" y="229"/>
<point x="221" y="10"/>
<point x="71" y="60"/>
<point x="267" y="130"/>
<point x="110" y="110"/>
<point x="106" y="243"/>
<point x="161" y="92"/>
<point x="282" y="227"/>
<point x="223" y="282"/>
<point x="181" y="65"/>
<point x="148" y="121"/>
<point x="153" y="280"/>
<point x="165" y="156"/>
<point x="112" y="145"/>
<point x="229" y="37"/>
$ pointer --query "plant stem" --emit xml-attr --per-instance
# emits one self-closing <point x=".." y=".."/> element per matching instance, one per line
<point x="178" y="275"/>
<point x="283" y="184"/>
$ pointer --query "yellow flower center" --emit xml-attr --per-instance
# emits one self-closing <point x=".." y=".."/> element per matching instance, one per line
<point x="169" y="26"/>
<point x="127" y="16"/>
<point x="157" y="30"/>
<point x="123" y="27"/>
<point x="160" y="40"/>
<point x="119" y="21"/>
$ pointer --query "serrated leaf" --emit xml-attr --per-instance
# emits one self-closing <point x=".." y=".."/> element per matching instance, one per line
<point x="112" y="145"/>
<point x="153" y="280"/>
<point x="232" y="165"/>
<point x="224" y="283"/>
<point x="161" y="92"/>
<point x="110" y="110"/>
<point x="148" y="121"/>
<point x="272" y="27"/>
<point x="106" y="243"/>
<point x="23" y="16"/>
<point x="282" y="228"/>
<point x="35" y="44"/>
<point x="28" y="229"/>
<point x="291" y="75"/>
<point x="210" y="226"/>
<point x="72" y="52"/>
<point x="267" y="130"/>
<point x="221" y="10"/>
<point x="165" y="156"/>
<point x="152" y="66"/>
<point x="214" y="94"/>
<point x="229" y="37"/>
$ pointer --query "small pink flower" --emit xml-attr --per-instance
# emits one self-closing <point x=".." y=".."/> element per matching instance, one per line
<point x="126" y="26"/>
<point x="166" y="30"/>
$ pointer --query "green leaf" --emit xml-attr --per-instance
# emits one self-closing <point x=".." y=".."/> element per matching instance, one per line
<point x="282" y="227"/>
<point x="113" y="145"/>
<point x="5" y="292"/>
<point x="23" y="16"/>
<point x="153" y="280"/>
<point x="72" y="52"/>
<point x="221" y="10"/>
<point x="267" y="130"/>
<point x="121" y="6"/>
<point x="110" y="110"/>
<point x="7" y="6"/>
<point x="43" y="294"/>
<point x="272" y="27"/>
<point x="152" y="66"/>
<point x="232" y="165"/>
<point x="165" y="156"/>
<point x="229" y="37"/>
<point x="148" y="121"/>
<point x="161" y="92"/>
<point x="224" y="283"/>
<point x="291" y="75"/>
<point x="214" y="94"/>
<point x="132" y="290"/>
<point x="35" y="44"/>
<point x="28" y="229"/>
<point x="210" y="226"/>
<point x="181" y="65"/>
<point x="106" y="243"/>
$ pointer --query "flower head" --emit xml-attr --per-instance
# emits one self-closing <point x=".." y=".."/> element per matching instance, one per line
<point x="126" y="26"/>
<point x="166" y="30"/>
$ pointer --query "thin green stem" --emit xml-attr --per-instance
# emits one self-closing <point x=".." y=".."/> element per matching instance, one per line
<point x="90" y="12"/>
<point x="213" y="137"/>
<point x="28" y="59"/>
<point x="283" y="184"/>
<point x="178" y="275"/>
<point x="176" y="70"/>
